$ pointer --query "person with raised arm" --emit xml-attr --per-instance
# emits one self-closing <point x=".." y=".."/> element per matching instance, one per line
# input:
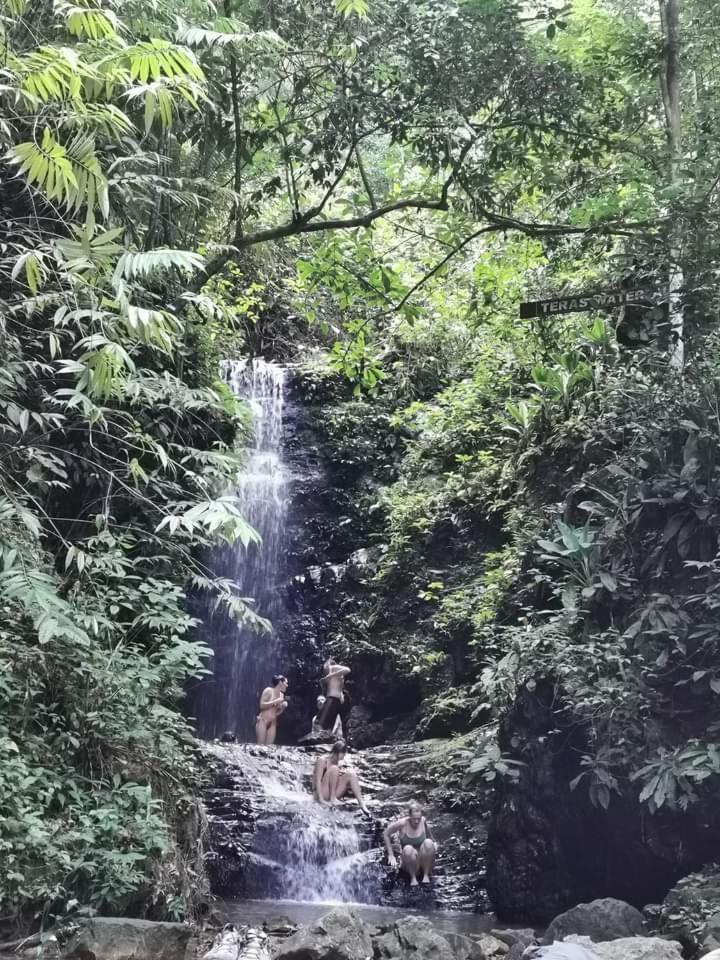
<point x="272" y="704"/>
<point x="333" y="680"/>
<point x="416" y="844"/>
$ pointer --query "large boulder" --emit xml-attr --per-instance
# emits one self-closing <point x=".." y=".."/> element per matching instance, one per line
<point x="414" y="938"/>
<point x="341" y="935"/>
<point x="627" y="948"/>
<point x="464" y="948"/>
<point x="117" y="938"/>
<point x="606" y="919"/>
<point x="520" y="936"/>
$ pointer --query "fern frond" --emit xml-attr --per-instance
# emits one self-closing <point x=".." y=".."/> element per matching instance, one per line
<point x="16" y="8"/>
<point x="88" y="20"/>
<point x="152" y="327"/>
<point x="91" y="183"/>
<point x="104" y="118"/>
<point x="133" y="265"/>
<point x="70" y="174"/>
<point x="50" y="73"/>
<point x="154" y="59"/>
<point x="32" y="263"/>
<point x="160" y="100"/>
<point x="219" y="518"/>
<point x="47" y="167"/>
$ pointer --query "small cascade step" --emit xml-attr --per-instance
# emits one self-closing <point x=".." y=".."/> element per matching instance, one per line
<point x="270" y="839"/>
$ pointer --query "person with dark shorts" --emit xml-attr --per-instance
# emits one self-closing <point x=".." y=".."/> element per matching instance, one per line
<point x="333" y="680"/>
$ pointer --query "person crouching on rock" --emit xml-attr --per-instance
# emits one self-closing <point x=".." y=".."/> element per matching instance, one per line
<point x="416" y="843"/>
<point x="272" y="704"/>
<point x="330" y="783"/>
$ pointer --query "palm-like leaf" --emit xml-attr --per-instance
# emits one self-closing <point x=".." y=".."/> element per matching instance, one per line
<point x="135" y="265"/>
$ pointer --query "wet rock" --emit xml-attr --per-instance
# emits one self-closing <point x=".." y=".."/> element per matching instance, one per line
<point x="464" y="948"/>
<point x="605" y="919"/>
<point x="118" y="938"/>
<point x="626" y="948"/>
<point x="688" y="910"/>
<point x="492" y="946"/>
<point x="562" y="951"/>
<point x="414" y="938"/>
<point x="341" y="935"/>
<point x="269" y="839"/>
<point x="515" y="937"/>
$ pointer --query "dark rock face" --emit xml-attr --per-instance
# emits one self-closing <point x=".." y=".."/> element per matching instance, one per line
<point x="549" y="847"/>
<point x="600" y="920"/>
<point x="337" y="451"/>
<point x="269" y="839"/>
<point x="690" y="912"/>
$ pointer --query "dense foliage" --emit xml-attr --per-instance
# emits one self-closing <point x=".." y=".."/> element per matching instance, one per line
<point x="543" y="496"/>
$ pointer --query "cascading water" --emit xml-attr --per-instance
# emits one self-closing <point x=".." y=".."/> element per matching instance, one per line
<point x="298" y="850"/>
<point x="244" y="659"/>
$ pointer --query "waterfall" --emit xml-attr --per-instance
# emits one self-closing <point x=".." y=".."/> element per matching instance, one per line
<point x="295" y="848"/>
<point x="245" y="660"/>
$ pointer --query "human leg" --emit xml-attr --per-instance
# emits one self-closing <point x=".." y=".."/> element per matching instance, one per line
<point x="260" y="730"/>
<point x="328" y="714"/>
<point x="349" y="782"/>
<point x="426" y="859"/>
<point x="333" y="781"/>
<point x="271" y="732"/>
<point x="410" y="863"/>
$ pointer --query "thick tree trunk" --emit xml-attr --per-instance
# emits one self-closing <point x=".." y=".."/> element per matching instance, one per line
<point x="670" y="83"/>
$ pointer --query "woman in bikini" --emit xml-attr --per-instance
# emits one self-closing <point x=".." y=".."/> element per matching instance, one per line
<point x="416" y="843"/>
<point x="272" y="704"/>
<point x="330" y="783"/>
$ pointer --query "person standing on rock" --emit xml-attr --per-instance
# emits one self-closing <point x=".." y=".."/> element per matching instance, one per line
<point x="330" y="783"/>
<point x="272" y="704"/>
<point x="333" y="680"/>
<point x="416" y="844"/>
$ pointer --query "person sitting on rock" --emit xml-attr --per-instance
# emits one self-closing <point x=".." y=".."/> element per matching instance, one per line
<point x="330" y="783"/>
<point x="316" y="730"/>
<point x="272" y="704"/>
<point x="333" y="680"/>
<point x="416" y="843"/>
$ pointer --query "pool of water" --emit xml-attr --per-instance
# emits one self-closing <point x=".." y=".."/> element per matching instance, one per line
<point x="280" y="912"/>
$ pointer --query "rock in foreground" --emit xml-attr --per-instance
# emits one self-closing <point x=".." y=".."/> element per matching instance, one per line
<point x="628" y="948"/>
<point x="600" y="920"/>
<point x="341" y="935"/>
<point x="118" y="938"/>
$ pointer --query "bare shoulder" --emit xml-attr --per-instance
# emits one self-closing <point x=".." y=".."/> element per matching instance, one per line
<point x="396" y="825"/>
<point x="267" y="693"/>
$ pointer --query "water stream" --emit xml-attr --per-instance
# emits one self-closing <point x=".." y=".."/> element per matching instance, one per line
<point x="271" y="842"/>
<point x="245" y="660"/>
<point x="294" y="849"/>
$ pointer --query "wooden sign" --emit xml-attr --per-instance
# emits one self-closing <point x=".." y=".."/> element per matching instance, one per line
<point x="607" y="300"/>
